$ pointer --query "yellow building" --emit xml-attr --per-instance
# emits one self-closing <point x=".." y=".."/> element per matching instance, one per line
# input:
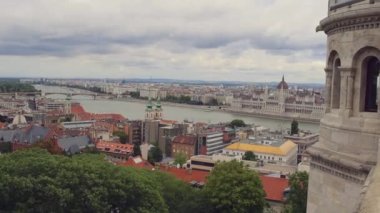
<point x="276" y="152"/>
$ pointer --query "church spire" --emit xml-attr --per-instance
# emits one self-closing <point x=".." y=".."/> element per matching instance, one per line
<point x="149" y="105"/>
<point x="149" y="113"/>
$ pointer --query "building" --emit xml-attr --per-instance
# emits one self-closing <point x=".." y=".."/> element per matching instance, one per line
<point x="78" y="124"/>
<point x="135" y="130"/>
<point x="186" y="144"/>
<point x="63" y="106"/>
<point x="166" y="135"/>
<point x="153" y="115"/>
<point x="210" y="142"/>
<point x="152" y="122"/>
<point x="73" y="145"/>
<point x="344" y="171"/>
<point x="267" y="151"/>
<point x="207" y="163"/>
<point x="149" y="93"/>
<point x="151" y="131"/>
<point x="281" y="101"/>
<point x="24" y="137"/>
<point x="303" y="141"/>
<point x="115" y="150"/>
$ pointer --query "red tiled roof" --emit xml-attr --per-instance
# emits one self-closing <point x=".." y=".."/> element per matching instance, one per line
<point x="143" y="164"/>
<point x="115" y="147"/>
<point x="168" y="122"/>
<point x="79" y="111"/>
<point x="274" y="187"/>
<point x="185" y="139"/>
<point x="186" y="175"/>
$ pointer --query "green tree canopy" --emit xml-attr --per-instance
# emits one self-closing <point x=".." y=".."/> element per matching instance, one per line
<point x="231" y="187"/>
<point x="122" y="136"/>
<point x="249" y="155"/>
<point x="15" y="86"/>
<point x="294" y="127"/>
<point x="155" y="155"/>
<point x="49" y="145"/>
<point x="33" y="180"/>
<point x="297" y="199"/>
<point x="237" y="123"/>
<point x="180" y="158"/>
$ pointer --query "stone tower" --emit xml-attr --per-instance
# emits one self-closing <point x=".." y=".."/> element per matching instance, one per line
<point x="158" y="110"/>
<point x="343" y="161"/>
<point x="149" y="112"/>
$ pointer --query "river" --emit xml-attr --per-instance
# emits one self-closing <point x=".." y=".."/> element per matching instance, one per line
<point x="135" y="110"/>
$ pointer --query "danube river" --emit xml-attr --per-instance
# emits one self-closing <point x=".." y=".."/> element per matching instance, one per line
<point x="135" y="110"/>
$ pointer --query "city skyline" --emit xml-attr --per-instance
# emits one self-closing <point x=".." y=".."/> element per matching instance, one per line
<point x="250" y="41"/>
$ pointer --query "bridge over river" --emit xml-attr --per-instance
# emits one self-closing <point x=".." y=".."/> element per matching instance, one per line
<point x="54" y="90"/>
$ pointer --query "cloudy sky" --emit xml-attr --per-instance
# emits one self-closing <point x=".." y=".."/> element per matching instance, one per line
<point x="243" y="40"/>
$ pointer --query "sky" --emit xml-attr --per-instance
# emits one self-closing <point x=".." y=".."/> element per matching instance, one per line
<point x="239" y="40"/>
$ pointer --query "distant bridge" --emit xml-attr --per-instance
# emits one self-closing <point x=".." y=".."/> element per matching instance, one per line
<point x="67" y="93"/>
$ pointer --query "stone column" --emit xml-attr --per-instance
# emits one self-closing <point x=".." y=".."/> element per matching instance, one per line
<point x="347" y="87"/>
<point x="328" y="88"/>
<point x="378" y="93"/>
<point x="343" y="88"/>
<point x="350" y="88"/>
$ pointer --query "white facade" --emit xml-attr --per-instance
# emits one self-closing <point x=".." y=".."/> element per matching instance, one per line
<point x="280" y="102"/>
<point x="214" y="143"/>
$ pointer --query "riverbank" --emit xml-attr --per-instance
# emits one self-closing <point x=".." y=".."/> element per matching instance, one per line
<point x="227" y="110"/>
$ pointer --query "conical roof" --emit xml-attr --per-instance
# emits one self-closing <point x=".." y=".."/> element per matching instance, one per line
<point x="158" y="103"/>
<point x="283" y="84"/>
<point x="149" y="105"/>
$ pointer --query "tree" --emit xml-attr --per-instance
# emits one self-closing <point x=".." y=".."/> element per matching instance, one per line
<point x="180" y="158"/>
<point x="154" y="155"/>
<point x="123" y="137"/>
<point x="232" y="187"/>
<point x="50" y="145"/>
<point x="5" y="147"/>
<point x="297" y="199"/>
<point x="294" y="127"/>
<point x="136" y="150"/>
<point x="213" y="102"/>
<point x="237" y="123"/>
<point x="249" y="155"/>
<point x="33" y="180"/>
<point x="134" y="94"/>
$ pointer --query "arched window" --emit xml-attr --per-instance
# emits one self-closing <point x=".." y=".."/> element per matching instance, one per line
<point x="335" y="94"/>
<point x="372" y="68"/>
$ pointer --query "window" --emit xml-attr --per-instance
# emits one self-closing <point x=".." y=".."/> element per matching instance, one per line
<point x="372" y="80"/>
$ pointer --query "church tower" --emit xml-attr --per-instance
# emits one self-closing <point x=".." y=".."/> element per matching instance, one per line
<point x="282" y="91"/>
<point x="343" y="161"/>
<point x="149" y="112"/>
<point x="158" y="110"/>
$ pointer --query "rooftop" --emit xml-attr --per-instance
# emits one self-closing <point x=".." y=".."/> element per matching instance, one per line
<point x="114" y="147"/>
<point x="282" y="149"/>
<point x="185" y="139"/>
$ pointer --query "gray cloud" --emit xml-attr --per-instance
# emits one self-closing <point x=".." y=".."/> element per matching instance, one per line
<point x="137" y="37"/>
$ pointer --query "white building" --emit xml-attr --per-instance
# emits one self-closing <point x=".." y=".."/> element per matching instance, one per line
<point x="282" y="101"/>
<point x="212" y="143"/>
